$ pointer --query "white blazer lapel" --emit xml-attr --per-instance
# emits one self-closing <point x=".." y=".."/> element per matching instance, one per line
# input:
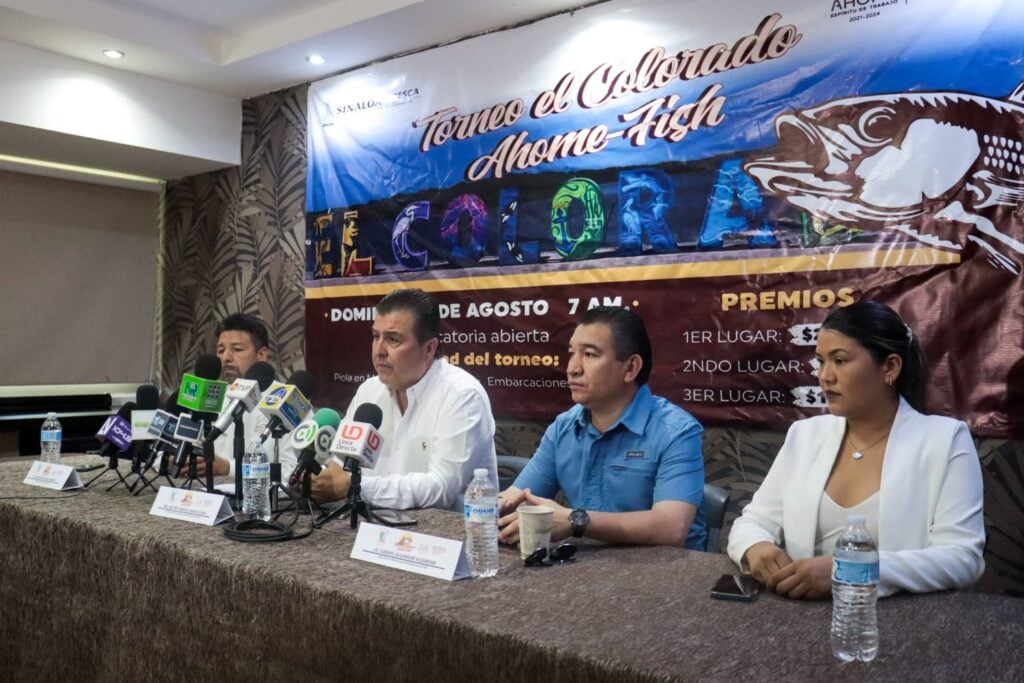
<point x="899" y="513"/>
<point x="802" y="525"/>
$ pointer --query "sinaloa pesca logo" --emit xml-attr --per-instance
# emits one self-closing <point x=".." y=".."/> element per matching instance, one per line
<point x="371" y="101"/>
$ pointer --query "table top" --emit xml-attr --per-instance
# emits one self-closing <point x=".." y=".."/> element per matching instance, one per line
<point x="642" y="612"/>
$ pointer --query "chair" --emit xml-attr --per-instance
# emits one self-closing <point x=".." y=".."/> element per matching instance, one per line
<point x="716" y="500"/>
<point x="509" y="467"/>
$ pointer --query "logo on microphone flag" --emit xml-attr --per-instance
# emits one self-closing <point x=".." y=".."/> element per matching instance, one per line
<point x="201" y="395"/>
<point x="305" y="433"/>
<point x="287" y="402"/>
<point x="352" y="431"/>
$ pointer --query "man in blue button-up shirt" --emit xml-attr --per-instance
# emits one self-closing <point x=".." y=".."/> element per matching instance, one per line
<point x="628" y="462"/>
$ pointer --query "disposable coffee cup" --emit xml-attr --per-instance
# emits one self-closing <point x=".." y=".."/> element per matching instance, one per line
<point x="535" y="524"/>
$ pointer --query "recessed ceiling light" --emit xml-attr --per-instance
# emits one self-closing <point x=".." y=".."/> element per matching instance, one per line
<point x="315" y="60"/>
<point x="113" y="54"/>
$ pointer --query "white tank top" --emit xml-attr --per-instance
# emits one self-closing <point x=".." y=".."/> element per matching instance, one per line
<point x="832" y="521"/>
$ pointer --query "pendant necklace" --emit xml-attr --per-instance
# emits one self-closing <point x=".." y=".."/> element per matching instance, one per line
<point x="858" y="453"/>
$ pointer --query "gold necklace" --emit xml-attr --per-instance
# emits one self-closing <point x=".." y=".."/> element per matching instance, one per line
<point x="858" y="453"/>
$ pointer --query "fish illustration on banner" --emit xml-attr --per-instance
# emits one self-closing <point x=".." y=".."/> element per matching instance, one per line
<point x="938" y="166"/>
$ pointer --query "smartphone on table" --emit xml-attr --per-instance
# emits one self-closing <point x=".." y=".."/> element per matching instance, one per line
<point x="736" y="587"/>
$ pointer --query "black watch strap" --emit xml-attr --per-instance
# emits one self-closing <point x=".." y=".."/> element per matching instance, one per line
<point x="579" y="519"/>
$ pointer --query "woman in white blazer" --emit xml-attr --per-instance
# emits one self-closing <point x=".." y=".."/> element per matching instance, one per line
<point x="916" y="477"/>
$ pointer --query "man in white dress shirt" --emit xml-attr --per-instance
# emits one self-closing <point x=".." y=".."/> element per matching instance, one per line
<point x="437" y="425"/>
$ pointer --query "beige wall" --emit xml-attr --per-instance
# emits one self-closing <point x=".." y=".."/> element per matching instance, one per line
<point x="77" y="281"/>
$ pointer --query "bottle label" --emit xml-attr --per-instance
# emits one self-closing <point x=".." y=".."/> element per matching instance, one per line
<point x="256" y="470"/>
<point x="855" y="573"/>
<point x="481" y="512"/>
<point x="50" y="435"/>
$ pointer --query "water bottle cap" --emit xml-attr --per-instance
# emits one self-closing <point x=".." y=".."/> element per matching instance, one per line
<point x="480" y="472"/>
<point x="856" y="519"/>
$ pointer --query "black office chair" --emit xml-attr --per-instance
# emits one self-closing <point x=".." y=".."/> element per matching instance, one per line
<point x="509" y="467"/>
<point x="716" y="500"/>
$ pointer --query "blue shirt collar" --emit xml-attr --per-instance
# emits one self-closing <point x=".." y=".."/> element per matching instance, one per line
<point x="634" y="417"/>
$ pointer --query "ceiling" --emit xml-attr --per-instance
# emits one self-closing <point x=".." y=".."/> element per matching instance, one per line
<point x="243" y="48"/>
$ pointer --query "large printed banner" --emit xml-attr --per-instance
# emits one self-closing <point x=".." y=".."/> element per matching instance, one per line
<point x="732" y="170"/>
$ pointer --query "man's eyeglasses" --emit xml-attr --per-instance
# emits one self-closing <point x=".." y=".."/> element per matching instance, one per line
<point x="560" y="554"/>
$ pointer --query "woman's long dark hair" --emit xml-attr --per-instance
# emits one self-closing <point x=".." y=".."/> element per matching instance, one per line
<point x="882" y="332"/>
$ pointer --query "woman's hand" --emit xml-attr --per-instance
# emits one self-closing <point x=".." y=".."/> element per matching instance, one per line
<point x="807" y="579"/>
<point x="764" y="560"/>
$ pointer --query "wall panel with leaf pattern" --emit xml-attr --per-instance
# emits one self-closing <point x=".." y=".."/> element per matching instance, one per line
<point x="234" y="241"/>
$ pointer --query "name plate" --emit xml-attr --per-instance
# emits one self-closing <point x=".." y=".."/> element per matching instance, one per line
<point x="191" y="506"/>
<point x="50" y="475"/>
<point x="409" y="551"/>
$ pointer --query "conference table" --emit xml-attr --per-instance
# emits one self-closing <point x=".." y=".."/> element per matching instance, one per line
<point x="96" y="588"/>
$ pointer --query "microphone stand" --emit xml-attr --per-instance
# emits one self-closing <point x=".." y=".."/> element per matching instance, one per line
<point x="208" y="456"/>
<point x="162" y="472"/>
<point x="143" y="467"/>
<point x="165" y="468"/>
<point x="356" y="507"/>
<point x="275" y="474"/>
<point x="193" y="466"/>
<point x="306" y="487"/>
<point x="111" y="466"/>
<point x="238" y="450"/>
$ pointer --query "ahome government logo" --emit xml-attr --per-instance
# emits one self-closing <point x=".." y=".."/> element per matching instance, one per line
<point x="858" y="10"/>
<point x="372" y="102"/>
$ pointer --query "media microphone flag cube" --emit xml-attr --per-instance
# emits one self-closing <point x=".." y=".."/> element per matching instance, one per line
<point x="359" y="441"/>
<point x="200" y="395"/>
<point x="117" y="431"/>
<point x="287" y="403"/>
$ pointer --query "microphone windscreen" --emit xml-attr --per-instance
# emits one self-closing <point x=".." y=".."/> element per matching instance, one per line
<point x="208" y="366"/>
<point x="304" y="381"/>
<point x="263" y="373"/>
<point x="327" y="417"/>
<point x="147" y="397"/>
<point x="369" y="413"/>
<point x="172" y="406"/>
<point x="125" y="411"/>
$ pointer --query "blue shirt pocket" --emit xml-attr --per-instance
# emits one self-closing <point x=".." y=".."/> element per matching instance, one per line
<point x="629" y="484"/>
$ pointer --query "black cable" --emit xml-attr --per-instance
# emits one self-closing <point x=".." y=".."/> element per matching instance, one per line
<point x="258" y="531"/>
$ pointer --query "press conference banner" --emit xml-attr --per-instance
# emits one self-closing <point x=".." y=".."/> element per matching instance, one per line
<point x="731" y="170"/>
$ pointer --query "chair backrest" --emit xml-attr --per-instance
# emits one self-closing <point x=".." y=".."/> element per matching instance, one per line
<point x="716" y="500"/>
<point x="509" y="467"/>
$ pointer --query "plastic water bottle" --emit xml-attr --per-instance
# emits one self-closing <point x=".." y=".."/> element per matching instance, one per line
<point x="855" y="593"/>
<point x="256" y="483"/>
<point x="481" y="508"/>
<point x="49" y="439"/>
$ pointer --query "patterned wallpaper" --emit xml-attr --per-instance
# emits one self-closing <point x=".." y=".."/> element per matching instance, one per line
<point x="234" y="240"/>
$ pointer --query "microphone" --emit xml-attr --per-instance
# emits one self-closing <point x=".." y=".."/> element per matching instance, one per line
<point x="147" y="399"/>
<point x="304" y="382"/>
<point x="116" y="434"/>
<point x="203" y="392"/>
<point x="188" y="432"/>
<point x="244" y="394"/>
<point x="162" y="427"/>
<point x="286" y="405"/>
<point x="358" y="441"/>
<point x="313" y="439"/>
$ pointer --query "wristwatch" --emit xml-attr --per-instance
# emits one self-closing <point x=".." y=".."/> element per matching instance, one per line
<point x="579" y="519"/>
